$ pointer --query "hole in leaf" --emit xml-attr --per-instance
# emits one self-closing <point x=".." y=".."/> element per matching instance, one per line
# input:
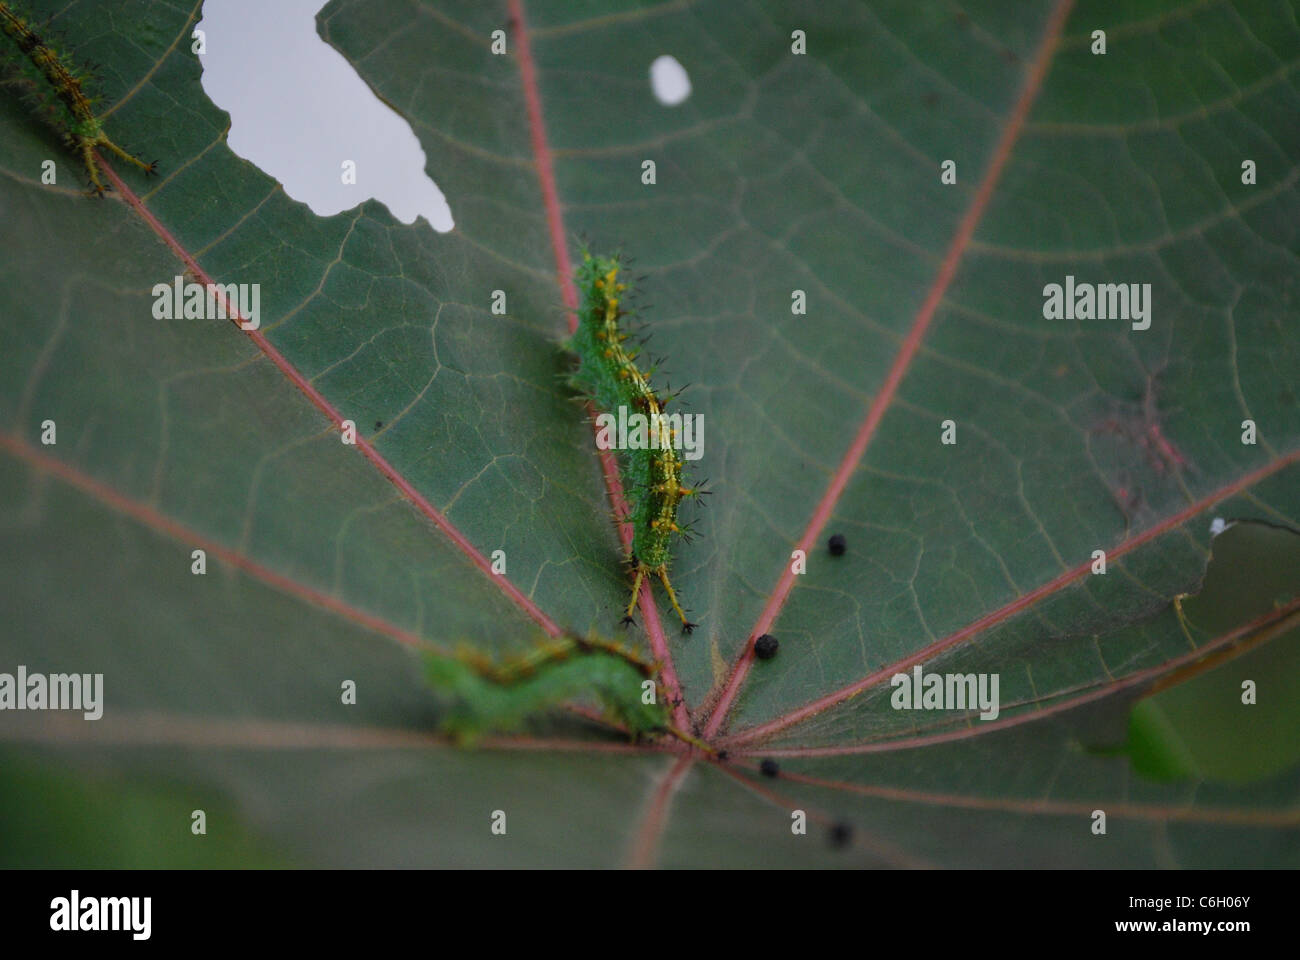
<point x="302" y="114"/>
<point x="669" y="81"/>
<point x="1232" y="715"/>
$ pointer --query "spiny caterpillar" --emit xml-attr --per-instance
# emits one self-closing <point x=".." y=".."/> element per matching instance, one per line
<point x="71" y="109"/>
<point x="608" y="374"/>
<point x="497" y="697"/>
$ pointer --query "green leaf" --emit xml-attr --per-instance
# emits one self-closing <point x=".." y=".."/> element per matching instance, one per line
<point x="329" y="563"/>
<point x="1198" y="728"/>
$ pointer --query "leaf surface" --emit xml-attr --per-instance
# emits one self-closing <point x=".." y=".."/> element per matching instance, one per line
<point x="781" y="172"/>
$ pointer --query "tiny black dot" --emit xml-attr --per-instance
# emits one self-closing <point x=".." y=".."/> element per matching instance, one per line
<point x="841" y="834"/>
<point x="722" y="754"/>
<point x="837" y="545"/>
<point x="378" y="424"/>
<point x="765" y="647"/>
<point x="769" y="767"/>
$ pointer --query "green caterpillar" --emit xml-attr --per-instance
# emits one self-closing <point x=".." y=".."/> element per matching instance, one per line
<point x="608" y="374"/>
<point x="71" y="109"/>
<point x="497" y="697"/>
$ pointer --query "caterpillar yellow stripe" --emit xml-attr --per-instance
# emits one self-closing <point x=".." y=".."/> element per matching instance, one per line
<point x="609" y="375"/>
<point x="498" y="696"/>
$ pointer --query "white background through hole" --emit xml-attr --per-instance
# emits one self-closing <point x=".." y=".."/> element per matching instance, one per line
<point x="298" y="110"/>
<point x="669" y="81"/>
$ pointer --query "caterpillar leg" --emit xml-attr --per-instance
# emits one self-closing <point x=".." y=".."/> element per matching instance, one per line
<point x="636" y="592"/>
<point x="695" y="742"/>
<point x="88" y="158"/>
<point x="118" y="151"/>
<point x="687" y="626"/>
<point x="88" y="144"/>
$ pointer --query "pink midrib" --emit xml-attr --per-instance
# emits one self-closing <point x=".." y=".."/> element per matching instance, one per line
<point x="564" y="277"/>
<point x="902" y="361"/>
<point x="295" y="377"/>
<point x="1016" y="606"/>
